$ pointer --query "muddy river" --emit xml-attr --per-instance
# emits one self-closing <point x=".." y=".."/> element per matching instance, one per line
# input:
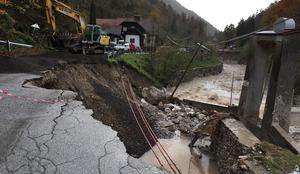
<point x="215" y="89"/>
<point x="179" y="151"/>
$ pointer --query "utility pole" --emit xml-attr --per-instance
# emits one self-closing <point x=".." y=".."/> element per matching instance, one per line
<point x="187" y="68"/>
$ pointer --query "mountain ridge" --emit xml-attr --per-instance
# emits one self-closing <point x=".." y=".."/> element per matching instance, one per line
<point x="179" y="8"/>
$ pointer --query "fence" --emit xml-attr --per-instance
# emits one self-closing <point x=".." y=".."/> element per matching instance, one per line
<point x="9" y="43"/>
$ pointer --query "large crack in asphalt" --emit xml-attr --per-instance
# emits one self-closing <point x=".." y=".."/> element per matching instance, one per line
<point x="128" y="165"/>
<point x="105" y="153"/>
<point x="99" y="89"/>
<point x="33" y="156"/>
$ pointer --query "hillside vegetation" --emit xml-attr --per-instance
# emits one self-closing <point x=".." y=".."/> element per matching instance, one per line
<point x="17" y="16"/>
<point x="171" y="19"/>
<point x="163" y="66"/>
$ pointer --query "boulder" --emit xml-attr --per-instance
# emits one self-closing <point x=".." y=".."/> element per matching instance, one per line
<point x="175" y="120"/>
<point x="154" y="95"/>
<point x="214" y="97"/>
<point x="173" y="107"/>
<point x="168" y="110"/>
<point x="200" y="116"/>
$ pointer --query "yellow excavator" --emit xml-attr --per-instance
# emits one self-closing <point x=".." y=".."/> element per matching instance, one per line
<point x="88" y="39"/>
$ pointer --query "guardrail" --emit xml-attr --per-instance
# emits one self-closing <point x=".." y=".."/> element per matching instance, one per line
<point x="9" y="43"/>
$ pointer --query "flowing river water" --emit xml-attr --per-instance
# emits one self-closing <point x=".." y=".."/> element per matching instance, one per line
<point x="215" y="89"/>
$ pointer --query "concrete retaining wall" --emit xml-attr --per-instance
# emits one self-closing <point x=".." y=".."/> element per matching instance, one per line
<point x="230" y="141"/>
<point x="197" y="72"/>
<point x="209" y="106"/>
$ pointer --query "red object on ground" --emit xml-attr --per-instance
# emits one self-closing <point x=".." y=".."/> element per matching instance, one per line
<point x="132" y="100"/>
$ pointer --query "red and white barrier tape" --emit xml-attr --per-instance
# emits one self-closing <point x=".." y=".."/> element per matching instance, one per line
<point x="5" y="93"/>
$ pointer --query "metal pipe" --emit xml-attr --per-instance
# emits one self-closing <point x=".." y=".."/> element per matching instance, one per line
<point x="231" y="93"/>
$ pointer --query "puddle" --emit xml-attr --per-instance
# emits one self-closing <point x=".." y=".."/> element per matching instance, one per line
<point x="179" y="151"/>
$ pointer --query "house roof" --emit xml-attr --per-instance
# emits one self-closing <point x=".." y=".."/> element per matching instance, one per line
<point x="106" y="23"/>
<point x="111" y="25"/>
<point x="114" y="30"/>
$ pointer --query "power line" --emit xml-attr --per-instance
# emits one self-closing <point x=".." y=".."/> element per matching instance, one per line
<point x="246" y="36"/>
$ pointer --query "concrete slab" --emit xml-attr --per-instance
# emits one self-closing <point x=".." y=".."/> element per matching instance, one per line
<point x="48" y="131"/>
<point x="244" y="136"/>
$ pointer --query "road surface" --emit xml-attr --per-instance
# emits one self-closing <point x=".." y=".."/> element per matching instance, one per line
<point x="48" y="131"/>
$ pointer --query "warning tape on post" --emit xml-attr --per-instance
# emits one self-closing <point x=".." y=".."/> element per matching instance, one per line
<point x="4" y="93"/>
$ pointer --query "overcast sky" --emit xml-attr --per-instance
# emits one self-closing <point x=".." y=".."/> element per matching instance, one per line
<point x="222" y="12"/>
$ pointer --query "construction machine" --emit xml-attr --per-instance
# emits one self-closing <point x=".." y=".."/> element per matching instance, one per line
<point x="87" y="39"/>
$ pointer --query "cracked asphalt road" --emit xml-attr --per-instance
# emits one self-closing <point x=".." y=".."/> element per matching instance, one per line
<point x="60" y="137"/>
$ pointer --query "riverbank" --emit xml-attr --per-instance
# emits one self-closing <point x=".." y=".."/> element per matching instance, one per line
<point x="165" y="69"/>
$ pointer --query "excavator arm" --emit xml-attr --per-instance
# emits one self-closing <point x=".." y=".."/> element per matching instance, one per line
<point x="53" y="6"/>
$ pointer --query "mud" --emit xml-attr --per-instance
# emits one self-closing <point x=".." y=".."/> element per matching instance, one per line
<point x="186" y="161"/>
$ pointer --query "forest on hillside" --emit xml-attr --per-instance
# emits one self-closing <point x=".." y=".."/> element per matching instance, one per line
<point x="282" y="8"/>
<point x="17" y="16"/>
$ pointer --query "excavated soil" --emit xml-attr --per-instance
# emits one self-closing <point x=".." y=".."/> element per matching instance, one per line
<point x="99" y="86"/>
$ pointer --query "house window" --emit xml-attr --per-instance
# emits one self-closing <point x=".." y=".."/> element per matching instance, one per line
<point x="132" y="40"/>
<point x="124" y="28"/>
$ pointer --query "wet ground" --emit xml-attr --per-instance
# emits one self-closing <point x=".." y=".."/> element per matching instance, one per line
<point x="49" y="131"/>
<point x="179" y="151"/>
<point x="215" y="89"/>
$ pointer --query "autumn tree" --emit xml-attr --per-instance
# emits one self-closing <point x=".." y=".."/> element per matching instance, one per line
<point x="283" y="8"/>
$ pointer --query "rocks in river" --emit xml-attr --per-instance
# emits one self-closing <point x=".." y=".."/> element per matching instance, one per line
<point x="200" y="116"/>
<point x="168" y="110"/>
<point x="214" y="97"/>
<point x="170" y="116"/>
<point x="154" y="95"/>
<point x="162" y="125"/>
<point x="172" y="107"/>
<point x="175" y="120"/>
<point x="184" y="118"/>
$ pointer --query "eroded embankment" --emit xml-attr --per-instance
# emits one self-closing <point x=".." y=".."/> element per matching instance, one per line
<point x="99" y="86"/>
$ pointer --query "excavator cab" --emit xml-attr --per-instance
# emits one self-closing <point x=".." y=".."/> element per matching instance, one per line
<point x="95" y="34"/>
<point x="94" y="41"/>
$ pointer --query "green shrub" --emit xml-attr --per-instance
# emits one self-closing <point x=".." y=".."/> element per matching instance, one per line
<point x="163" y="66"/>
<point x="6" y="22"/>
<point x="166" y="62"/>
<point x="138" y="62"/>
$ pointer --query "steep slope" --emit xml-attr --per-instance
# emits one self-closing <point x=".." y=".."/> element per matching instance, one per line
<point x="210" y="29"/>
<point x="171" y="16"/>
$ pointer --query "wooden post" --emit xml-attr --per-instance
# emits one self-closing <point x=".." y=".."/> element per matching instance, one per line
<point x="8" y="46"/>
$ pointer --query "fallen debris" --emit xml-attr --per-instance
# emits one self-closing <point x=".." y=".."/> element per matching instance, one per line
<point x="154" y="95"/>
